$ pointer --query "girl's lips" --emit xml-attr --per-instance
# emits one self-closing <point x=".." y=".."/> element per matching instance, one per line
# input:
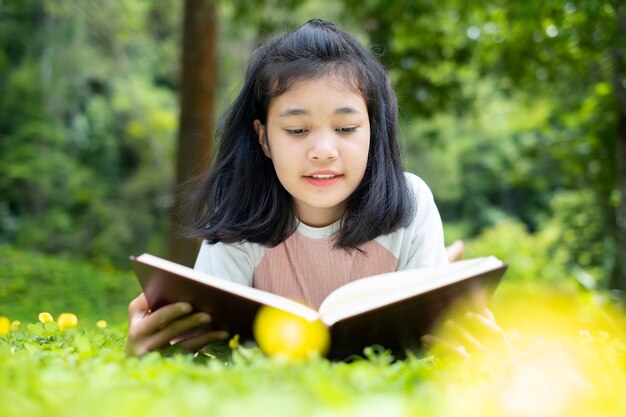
<point x="322" y="179"/>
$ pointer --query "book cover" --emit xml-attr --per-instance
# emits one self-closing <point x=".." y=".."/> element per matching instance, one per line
<point x="393" y="310"/>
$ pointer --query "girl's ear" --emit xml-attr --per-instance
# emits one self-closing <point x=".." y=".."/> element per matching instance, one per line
<point x="261" y="132"/>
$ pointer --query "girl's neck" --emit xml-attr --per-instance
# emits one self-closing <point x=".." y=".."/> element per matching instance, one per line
<point x="320" y="217"/>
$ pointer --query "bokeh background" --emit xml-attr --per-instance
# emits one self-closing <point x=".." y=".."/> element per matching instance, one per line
<point x="513" y="112"/>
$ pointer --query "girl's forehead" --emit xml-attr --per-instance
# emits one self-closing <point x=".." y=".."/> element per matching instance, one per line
<point x="318" y="97"/>
<point x="327" y="81"/>
<point x="329" y="90"/>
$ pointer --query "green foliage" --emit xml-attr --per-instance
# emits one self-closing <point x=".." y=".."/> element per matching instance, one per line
<point x="531" y="257"/>
<point x="32" y="283"/>
<point x="503" y="106"/>
<point x="569" y="247"/>
<point x="86" y="160"/>
<point x="68" y="373"/>
<point x="576" y="223"/>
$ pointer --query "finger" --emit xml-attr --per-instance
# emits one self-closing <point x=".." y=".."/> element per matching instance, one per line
<point x="486" y="325"/>
<point x="460" y="335"/>
<point x="176" y="329"/>
<point x="489" y="314"/>
<point x="482" y="323"/>
<point x="444" y="348"/>
<point x="138" y="307"/>
<point x="162" y="317"/>
<point x="195" y="331"/>
<point x="197" y="342"/>
<point x="455" y="250"/>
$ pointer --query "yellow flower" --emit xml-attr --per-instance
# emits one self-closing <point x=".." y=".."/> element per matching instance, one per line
<point x="67" y="320"/>
<point x="101" y="324"/>
<point x="5" y="325"/>
<point x="15" y="324"/>
<point x="234" y="342"/>
<point x="45" y="317"/>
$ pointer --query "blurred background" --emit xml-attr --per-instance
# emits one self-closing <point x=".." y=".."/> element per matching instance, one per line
<point x="513" y="112"/>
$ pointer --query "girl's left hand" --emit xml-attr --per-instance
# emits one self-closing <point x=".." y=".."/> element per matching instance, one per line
<point x="472" y="333"/>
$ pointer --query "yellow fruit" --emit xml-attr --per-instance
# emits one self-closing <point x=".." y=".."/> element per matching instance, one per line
<point x="45" y="317"/>
<point x="101" y="324"/>
<point x="67" y="320"/>
<point x="5" y="325"/>
<point x="283" y="334"/>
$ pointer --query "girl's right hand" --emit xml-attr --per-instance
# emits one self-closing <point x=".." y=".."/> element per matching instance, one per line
<point x="174" y="324"/>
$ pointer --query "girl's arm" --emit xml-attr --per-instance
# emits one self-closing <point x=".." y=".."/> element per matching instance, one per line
<point x="422" y="242"/>
<point x="231" y="261"/>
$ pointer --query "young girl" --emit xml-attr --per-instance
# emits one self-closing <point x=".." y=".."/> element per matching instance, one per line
<point x="308" y="191"/>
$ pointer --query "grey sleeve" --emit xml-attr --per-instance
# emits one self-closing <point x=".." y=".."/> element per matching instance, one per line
<point x="424" y="237"/>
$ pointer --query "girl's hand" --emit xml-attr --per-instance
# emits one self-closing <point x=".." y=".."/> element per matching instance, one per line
<point x="174" y="324"/>
<point x="473" y="333"/>
<point x="455" y="250"/>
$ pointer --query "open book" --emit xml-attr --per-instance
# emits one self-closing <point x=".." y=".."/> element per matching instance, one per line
<point x="393" y="309"/>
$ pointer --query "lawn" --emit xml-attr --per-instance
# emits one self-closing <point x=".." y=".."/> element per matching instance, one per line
<point x="565" y="356"/>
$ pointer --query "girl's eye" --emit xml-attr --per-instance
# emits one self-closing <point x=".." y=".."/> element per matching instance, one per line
<point x="346" y="129"/>
<point x="296" y="132"/>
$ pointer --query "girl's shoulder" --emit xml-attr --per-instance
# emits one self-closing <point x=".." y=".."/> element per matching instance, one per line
<point x="419" y="188"/>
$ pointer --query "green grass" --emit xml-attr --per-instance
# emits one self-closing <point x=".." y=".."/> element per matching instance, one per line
<point x="32" y="282"/>
<point x="565" y="356"/>
<point x="84" y="371"/>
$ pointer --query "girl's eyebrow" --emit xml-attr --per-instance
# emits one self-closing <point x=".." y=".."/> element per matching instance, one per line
<point x="301" y="112"/>
<point x="293" y="112"/>
<point x="346" y="110"/>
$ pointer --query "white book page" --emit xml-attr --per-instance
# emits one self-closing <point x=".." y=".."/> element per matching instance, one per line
<point x="372" y="292"/>
<point x="254" y="294"/>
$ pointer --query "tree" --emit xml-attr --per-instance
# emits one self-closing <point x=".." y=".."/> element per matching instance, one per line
<point x="565" y="57"/>
<point x="198" y="83"/>
<point x="87" y="119"/>
<point x="574" y="53"/>
<point x="618" y="55"/>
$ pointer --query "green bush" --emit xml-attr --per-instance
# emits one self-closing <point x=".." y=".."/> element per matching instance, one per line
<point x="32" y="283"/>
<point x="531" y="257"/>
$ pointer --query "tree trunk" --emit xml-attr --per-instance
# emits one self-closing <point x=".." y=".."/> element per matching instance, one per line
<point x="198" y="82"/>
<point x="618" y="278"/>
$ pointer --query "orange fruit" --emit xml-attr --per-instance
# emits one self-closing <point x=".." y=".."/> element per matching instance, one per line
<point x="286" y="335"/>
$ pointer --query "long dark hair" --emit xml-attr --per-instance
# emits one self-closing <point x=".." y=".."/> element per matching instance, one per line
<point x="242" y="198"/>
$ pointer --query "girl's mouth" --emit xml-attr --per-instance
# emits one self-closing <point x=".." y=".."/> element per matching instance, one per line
<point x="322" y="180"/>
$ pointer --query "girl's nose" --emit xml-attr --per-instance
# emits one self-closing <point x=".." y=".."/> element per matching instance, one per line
<point x="323" y="147"/>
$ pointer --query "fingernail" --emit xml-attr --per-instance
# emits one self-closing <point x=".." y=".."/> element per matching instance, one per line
<point x="222" y="335"/>
<point x="184" y="307"/>
<point x="204" y="318"/>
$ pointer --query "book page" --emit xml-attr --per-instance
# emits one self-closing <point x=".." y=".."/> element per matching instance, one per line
<point x="379" y="290"/>
<point x="243" y="291"/>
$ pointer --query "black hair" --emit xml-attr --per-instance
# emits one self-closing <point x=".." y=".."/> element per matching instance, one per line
<point x="242" y="198"/>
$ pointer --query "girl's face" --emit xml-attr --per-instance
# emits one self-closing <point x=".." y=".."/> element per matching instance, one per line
<point x="317" y="136"/>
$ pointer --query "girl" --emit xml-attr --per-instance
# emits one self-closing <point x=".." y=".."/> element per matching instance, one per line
<point x="308" y="191"/>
